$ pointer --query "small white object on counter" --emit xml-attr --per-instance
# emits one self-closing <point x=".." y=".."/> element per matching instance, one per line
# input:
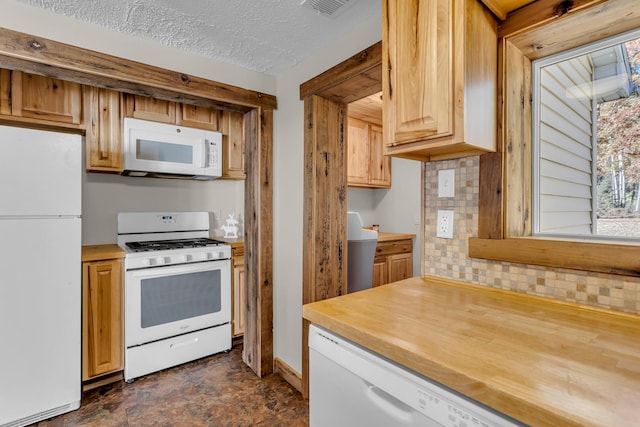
<point x="231" y="227"/>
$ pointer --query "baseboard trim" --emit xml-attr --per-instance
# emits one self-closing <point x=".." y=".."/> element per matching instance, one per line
<point x="289" y="374"/>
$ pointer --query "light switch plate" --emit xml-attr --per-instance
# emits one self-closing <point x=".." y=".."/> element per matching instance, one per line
<point x="446" y="182"/>
<point x="445" y="224"/>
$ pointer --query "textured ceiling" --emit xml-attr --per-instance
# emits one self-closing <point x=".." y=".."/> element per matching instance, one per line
<point x="268" y="36"/>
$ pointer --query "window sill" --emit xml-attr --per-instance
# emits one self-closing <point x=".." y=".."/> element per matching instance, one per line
<point x="612" y="258"/>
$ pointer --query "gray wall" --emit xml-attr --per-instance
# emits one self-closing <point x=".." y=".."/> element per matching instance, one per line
<point x="397" y="209"/>
<point x="104" y="195"/>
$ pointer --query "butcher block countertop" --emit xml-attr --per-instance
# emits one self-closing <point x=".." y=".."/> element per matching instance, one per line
<point x="388" y="237"/>
<point x="543" y="362"/>
<point x="101" y="252"/>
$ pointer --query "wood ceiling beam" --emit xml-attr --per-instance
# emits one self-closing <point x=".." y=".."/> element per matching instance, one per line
<point x="352" y="79"/>
<point x="37" y="55"/>
<point x="540" y="13"/>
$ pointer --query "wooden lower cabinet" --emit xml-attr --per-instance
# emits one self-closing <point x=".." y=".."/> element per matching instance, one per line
<point x="238" y="292"/>
<point x="380" y="271"/>
<point x="393" y="261"/>
<point x="399" y="267"/>
<point x="102" y="318"/>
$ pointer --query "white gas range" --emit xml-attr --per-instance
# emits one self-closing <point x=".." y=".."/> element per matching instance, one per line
<point x="177" y="290"/>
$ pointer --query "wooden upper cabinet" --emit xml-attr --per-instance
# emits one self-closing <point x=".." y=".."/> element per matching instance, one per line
<point x="198" y="117"/>
<point x="104" y="130"/>
<point x="5" y="92"/>
<point x="379" y="163"/>
<point x="439" y="78"/>
<point x="145" y="108"/>
<point x="232" y="128"/>
<point x="367" y="166"/>
<point x="41" y="100"/>
<point x="358" y="153"/>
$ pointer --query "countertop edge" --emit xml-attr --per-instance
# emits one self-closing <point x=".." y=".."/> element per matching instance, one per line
<point x="101" y="252"/>
<point x="384" y="236"/>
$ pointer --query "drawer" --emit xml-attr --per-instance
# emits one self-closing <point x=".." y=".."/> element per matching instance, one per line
<point x="394" y="247"/>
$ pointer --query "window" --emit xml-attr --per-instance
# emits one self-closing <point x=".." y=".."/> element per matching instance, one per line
<point x="505" y="209"/>
<point x="586" y="141"/>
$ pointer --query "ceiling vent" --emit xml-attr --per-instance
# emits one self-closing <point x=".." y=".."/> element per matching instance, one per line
<point x="325" y="7"/>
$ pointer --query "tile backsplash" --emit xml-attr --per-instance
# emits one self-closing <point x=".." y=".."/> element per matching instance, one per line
<point x="449" y="257"/>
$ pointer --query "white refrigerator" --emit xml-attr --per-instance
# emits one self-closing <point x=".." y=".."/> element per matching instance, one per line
<point x="40" y="274"/>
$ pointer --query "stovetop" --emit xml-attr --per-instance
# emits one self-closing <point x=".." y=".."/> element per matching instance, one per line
<point x="162" y="245"/>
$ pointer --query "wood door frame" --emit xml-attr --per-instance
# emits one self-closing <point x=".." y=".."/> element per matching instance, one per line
<point x="36" y="55"/>
<point x="355" y="78"/>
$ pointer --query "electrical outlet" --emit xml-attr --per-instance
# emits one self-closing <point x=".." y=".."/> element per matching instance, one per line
<point x="445" y="224"/>
<point x="446" y="182"/>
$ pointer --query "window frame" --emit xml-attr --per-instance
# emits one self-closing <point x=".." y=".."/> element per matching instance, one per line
<point x="504" y="225"/>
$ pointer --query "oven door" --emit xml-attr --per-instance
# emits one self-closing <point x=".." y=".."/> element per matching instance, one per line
<point x="167" y="301"/>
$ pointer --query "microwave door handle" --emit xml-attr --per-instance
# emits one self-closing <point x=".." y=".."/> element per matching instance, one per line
<point x="204" y="159"/>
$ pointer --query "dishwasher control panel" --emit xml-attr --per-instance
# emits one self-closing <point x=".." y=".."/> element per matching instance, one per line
<point x="447" y="413"/>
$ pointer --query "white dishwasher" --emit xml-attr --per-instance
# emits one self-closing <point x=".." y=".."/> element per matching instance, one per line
<point x="351" y="386"/>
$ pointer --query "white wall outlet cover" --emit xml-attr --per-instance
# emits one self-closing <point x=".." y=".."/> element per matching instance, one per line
<point x="445" y="224"/>
<point x="446" y="182"/>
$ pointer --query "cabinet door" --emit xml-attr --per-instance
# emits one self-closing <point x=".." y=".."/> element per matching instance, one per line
<point x="358" y="153"/>
<point x="5" y="92"/>
<point x="104" y="130"/>
<point x="400" y="267"/>
<point x="232" y="145"/>
<point x="379" y="164"/>
<point x="198" y="117"/>
<point x="145" y="108"/>
<point x="44" y="98"/>
<point x="380" y="273"/>
<point x="102" y="323"/>
<point x="417" y="78"/>
<point x="238" y="294"/>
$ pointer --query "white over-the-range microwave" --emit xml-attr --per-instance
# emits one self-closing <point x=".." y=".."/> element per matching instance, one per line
<point x="171" y="151"/>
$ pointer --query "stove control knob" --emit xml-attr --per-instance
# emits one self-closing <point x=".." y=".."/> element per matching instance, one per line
<point x="166" y="260"/>
<point x="159" y="260"/>
<point x="188" y="258"/>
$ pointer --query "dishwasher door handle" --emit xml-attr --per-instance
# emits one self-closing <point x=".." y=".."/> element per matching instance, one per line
<point x="389" y="404"/>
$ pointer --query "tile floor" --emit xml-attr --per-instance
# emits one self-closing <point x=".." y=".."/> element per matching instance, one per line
<point x="219" y="390"/>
